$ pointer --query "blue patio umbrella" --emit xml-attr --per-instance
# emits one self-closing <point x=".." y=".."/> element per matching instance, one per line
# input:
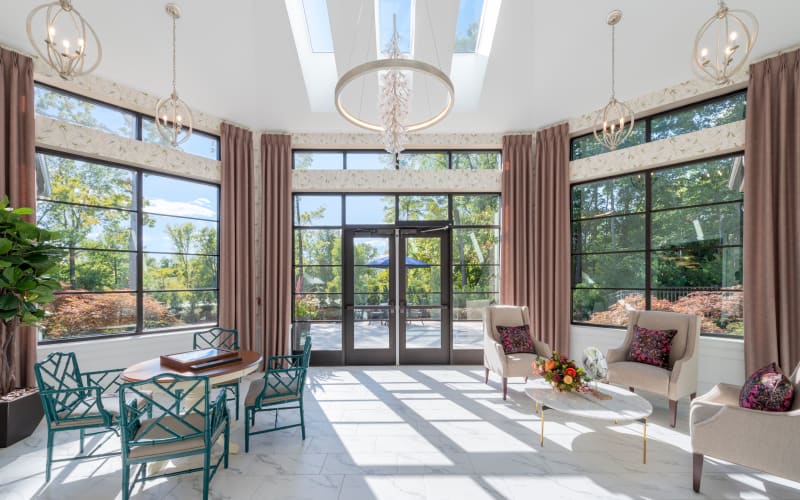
<point x="383" y="261"/>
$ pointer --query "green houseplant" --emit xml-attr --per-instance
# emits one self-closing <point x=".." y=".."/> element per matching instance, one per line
<point x="27" y="259"/>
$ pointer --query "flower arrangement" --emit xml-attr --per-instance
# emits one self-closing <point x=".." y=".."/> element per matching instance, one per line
<point x="562" y="373"/>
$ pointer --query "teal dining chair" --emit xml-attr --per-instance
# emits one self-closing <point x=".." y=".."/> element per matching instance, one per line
<point x="221" y="338"/>
<point x="74" y="401"/>
<point x="183" y="423"/>
<point x="281" y="388"/>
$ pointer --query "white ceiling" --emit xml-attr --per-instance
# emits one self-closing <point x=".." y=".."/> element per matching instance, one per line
<point x="549" y="61"/>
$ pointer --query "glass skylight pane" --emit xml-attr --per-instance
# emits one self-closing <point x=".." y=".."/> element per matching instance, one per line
<point x="386" y="10"/>
<point x="468" y="25"/>
<point x="319" y="26"/>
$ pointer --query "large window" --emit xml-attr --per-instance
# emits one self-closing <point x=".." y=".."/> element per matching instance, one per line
<point x="698" y="116"/>
<point x="79" y="110"/>
<point x="408" y="160"/>
<point x="141" y="248"/>
<point x="319" y="223"/>
<point x="668" y="239"/>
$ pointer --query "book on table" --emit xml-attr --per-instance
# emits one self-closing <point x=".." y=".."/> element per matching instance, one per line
<point x="199" y="359"/>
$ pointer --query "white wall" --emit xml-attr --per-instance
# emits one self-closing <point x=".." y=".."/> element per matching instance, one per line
<point x="721" y="360"/>
<point x="121" y="352"/>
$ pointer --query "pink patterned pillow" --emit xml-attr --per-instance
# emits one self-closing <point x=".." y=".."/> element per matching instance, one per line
<point x="516" y="339"/>
<point x="767" y="389"/>
<point x="651" y="347"/>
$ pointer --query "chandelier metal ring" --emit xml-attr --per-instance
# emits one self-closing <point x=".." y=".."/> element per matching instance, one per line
<point x="396" y="64"/>
<point x="67" y="61"/>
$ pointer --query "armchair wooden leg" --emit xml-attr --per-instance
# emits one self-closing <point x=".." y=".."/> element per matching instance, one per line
<point x="486" y="379"/>
<point x="505" y="388"/>
<point x="692" y="396"/>
<point x="630" y="389"/>
<point x="697" y="471"/>
<point x="673" y="412"/>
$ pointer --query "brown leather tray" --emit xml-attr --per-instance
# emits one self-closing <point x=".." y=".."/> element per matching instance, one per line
<point x="193" y="360"/>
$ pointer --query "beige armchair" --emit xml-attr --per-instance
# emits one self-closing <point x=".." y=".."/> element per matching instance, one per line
<point x="494" y="358"/>
<point x="676" y="381"/>
<point x="763" y="440"/>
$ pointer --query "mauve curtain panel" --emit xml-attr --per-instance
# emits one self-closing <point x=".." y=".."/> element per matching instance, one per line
<point x="772" y="214"/>
<point x="550" y="304"/>
<point x="237" y="285"/>
<point x="276" y="242"/>
<point x="518" y="239"/>
<point x="18" y="172"/>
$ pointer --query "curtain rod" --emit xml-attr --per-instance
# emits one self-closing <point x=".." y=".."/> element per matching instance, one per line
<point x="17" y="50"/>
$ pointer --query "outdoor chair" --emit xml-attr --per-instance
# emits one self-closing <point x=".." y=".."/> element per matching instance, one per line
<point x="281" y="385"/>
<point x="184" y="423"/>
<point x="74" y="401"/>
<point x="221" y="338"/>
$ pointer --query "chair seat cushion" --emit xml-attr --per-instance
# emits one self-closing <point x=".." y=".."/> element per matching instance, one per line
<point x="642" y="376"/>
<point x="516" y="339"/>
<point x="767" y="389"/>
<point x="272" y="395"/>
<point x="520" y="365"/>
<point x="159" y="432"/>
<point x="650" y="346"/>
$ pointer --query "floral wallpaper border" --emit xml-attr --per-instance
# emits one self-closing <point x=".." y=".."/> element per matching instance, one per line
<point x="682" y="148"/>
<point x="416" y="141"/>
<point x="400" y="181"/>
<point x="85" y="141"/>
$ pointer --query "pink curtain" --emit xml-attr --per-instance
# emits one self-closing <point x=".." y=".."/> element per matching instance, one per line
<point x="18" y="174"/>
<point x="276" y="243"/>
<point x="772" y="214"/>
<point x="518" y="239"/>
<point x="550" y="301"/>
<point x="237" y="285"/>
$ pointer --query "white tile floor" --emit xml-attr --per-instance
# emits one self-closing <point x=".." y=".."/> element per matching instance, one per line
<point x="418" y="432"/>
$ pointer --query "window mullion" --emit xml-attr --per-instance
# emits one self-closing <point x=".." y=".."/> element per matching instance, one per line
<point x="139" y="254"/>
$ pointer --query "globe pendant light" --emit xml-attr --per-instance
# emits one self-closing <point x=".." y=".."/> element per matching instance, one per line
<point x="724" y="43"/>
<point x="173" y="116"/>
<point x="616" y="117"/>
<point x="68" y="41"/>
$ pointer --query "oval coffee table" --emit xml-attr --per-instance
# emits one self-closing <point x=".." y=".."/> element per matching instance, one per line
<point x="623" y="406"/>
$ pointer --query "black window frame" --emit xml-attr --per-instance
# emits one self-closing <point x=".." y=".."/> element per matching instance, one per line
<point x="649" y="118"/>
<point x="397" y="157"/>
<point x="140" y="291"/>
<point x="648" y="250"/>
<point x="138" y="116"/>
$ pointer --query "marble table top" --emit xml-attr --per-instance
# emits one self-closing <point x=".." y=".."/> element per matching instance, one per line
<point x="623" y="405"/>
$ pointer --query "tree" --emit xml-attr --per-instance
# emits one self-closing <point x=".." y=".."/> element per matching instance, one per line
<point x="27" y="259"/>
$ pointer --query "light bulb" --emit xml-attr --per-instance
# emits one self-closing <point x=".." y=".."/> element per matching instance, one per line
<point x="80" y="43"/>
<point x="164" y="118"/>
<point x="733" y="36"/>
<point x="179" y="118"/>
<point x="704" y="52"/>
<point x="51" y="30"/>
<point x="728" y="50"/>
<point x="65" y="43"/>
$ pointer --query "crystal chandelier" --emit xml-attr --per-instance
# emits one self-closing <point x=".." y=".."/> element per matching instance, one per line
<point x="67" y="57"/>
<point x="731" y="35"/>
<point x="616" y="117"/>
<point x="394" y="95"/>
<point x="173" y="116"/>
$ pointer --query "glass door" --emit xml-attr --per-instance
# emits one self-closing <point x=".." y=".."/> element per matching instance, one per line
<point x="424" y="291"/>
<point x="397" y="296"/>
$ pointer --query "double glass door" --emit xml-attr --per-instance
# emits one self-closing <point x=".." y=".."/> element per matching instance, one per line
<point x="397" y="296"/>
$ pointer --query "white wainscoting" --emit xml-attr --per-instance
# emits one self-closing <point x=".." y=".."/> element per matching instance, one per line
<point x="721" y="360"/>
<point x="121" y="352"/>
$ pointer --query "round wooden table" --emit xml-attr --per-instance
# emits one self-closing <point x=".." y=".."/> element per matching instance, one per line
<point x="216" y="375"/>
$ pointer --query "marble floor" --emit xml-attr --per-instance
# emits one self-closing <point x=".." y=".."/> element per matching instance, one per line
<point x="417" y="432"/>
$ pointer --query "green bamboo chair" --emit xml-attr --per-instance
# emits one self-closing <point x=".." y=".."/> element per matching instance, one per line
<point x="221" y="338"/>
<point x="86" y="402"/>
<point x="281" y="386"/>
<point x="173" y="430"/>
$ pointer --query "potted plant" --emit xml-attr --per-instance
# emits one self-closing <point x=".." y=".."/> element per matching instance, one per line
<point x="27" y="259"/>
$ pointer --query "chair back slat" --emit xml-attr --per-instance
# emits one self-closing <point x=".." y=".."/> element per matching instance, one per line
<point x="171" y="420"/>
<point x="218" y="338"/>
<point x="64" y="396"/>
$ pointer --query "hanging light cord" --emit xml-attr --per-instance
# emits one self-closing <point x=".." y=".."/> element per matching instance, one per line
<point x="613" y="61"/>
<point x="174" y="57"/>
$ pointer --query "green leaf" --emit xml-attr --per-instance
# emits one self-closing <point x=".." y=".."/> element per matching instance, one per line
<point x="5" y="245"/>
<point x="6" y="315"/>
<point x="9" y="301"/>
<point x="22" y="211"/>
<point x="11" y="274"/>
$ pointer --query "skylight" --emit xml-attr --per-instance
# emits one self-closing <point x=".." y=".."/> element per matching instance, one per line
<point x="403" y="9"/>
<point x="468" y="26"/>
<point x="319" y="27"/>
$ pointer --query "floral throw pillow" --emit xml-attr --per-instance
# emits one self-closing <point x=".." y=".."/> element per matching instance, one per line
<point x="651" y="347"/>
<point x="516" y="339"/>
<point x="767" y="389"/>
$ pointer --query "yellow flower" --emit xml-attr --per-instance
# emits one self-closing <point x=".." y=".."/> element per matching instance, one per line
<point x="567" y="379"/>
